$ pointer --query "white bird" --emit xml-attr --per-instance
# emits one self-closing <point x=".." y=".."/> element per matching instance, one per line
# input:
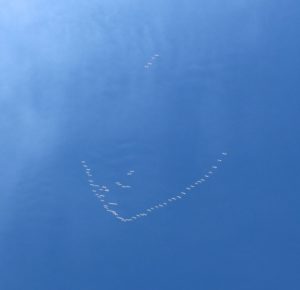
<point x="224" y="153"/>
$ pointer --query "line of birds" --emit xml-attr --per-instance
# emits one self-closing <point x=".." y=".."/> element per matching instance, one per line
<point x="151" y="61"/>
<point x="100" y="191"/>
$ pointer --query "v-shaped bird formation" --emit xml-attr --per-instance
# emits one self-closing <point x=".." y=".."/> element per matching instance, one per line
<point x="102" y="192"/>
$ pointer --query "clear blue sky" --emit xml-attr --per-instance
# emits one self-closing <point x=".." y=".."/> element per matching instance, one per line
<point x="73" y="86"/>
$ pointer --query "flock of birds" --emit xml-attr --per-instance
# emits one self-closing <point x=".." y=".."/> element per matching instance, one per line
<point x="151" y="61"/>
<point x="102" y="192"/>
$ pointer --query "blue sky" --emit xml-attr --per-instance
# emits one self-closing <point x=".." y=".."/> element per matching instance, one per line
<point x="73" y="87"/>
